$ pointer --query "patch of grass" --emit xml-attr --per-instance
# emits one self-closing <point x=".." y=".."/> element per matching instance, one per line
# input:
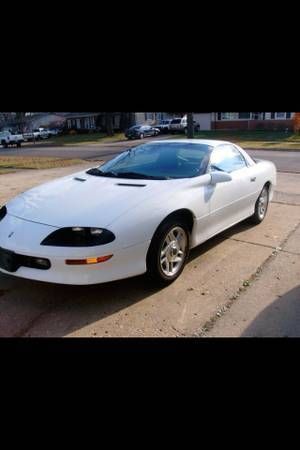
<point x="92" y="138"/>
<point x="255" y="139"/>
<point x="13" y="163"/>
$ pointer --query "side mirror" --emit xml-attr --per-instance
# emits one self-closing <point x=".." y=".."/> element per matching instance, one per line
<point x="220" y="177"/>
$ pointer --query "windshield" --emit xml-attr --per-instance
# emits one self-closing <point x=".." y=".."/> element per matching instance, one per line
<point x="160" y="161"/>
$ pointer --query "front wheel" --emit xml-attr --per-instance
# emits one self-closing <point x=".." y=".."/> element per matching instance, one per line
<point x="261" y="206"/>
<point x="168" y="251"/>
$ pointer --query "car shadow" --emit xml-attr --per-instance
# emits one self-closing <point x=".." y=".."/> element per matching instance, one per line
<point x="212" y="242"/>
<point x="59" y="310"/>
<point x="280" y="319"/>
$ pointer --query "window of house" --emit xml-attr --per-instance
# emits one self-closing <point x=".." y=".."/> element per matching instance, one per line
<point x="148" y="116"/>
<point x="257" y="115"/>
<point x="280" y="115"/>
<point x="288" y="115"/>
<point x="244" y="115"/>
<point x="229" y="116"/>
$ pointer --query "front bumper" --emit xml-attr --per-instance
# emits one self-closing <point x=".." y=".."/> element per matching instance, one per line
<point x="125" y="263"/>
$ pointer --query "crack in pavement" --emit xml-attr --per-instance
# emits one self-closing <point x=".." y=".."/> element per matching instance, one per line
<point x="253" y="243"/>
<point x="277" y="249"/>
<point x="286" y="203"/>
<point x="209" y="324"/>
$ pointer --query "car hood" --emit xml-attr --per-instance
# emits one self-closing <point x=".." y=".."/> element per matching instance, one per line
<point x="97" y="201"/>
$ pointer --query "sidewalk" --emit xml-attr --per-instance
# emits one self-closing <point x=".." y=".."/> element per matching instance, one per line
<point x="270" y="306"/>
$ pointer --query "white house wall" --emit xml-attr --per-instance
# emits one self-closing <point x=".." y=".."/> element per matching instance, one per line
<point x="204" y="119"/>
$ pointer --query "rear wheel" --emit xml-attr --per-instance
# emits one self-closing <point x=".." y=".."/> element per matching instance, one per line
<point x="261" y="206"/>
<point x="168" y="251"/>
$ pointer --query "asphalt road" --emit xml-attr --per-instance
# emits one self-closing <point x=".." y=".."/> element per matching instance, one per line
<point x="285" y="161"/>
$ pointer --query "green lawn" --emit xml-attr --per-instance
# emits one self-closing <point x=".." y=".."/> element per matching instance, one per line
<point x="91" y="138"/>
<point x="13" y="163"/>
<point x="256" y="139"/>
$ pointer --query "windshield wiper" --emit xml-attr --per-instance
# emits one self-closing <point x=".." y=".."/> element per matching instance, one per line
<point x="139" y="176"/>
<point x="217" y="168"/>
<point x="99" y="173"/>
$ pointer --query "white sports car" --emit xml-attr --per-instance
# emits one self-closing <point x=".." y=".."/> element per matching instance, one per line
<point x="140" y="212"/>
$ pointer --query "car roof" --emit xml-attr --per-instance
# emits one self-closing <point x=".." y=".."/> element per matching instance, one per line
<point x="212" y="142"/>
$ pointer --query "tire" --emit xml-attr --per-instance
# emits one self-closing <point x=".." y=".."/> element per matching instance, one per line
<point x="4" y="144"/>
<point x="165" y="249"/>
<point x="261" y="206"/>
<point x="18" y="144"/>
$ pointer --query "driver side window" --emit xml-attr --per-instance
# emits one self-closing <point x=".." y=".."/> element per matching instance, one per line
<point x="227" y="159"/>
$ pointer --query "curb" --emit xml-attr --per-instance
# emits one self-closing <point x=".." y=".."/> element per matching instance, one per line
<point x="272" y="150"/>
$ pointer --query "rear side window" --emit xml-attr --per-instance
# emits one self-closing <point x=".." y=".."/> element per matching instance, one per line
<point x="176" y="121"/>
<point x="227" y="159"/>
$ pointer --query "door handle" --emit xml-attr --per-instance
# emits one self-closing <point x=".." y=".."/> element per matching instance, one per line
<point x="252" y="178"/>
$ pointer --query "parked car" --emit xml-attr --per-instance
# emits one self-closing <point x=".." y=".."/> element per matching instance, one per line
<point x="179" y="124"/>
<point x="9" y="138"/>
<point x="140" y="212"/>
<point x="141" y="131"/>
<point x="163" y="126"/>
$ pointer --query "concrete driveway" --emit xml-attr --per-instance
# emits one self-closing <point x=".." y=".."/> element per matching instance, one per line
<point x="217" y="275"/>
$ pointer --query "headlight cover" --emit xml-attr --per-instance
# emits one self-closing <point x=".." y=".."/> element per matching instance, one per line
<point x="79" y="237"/>
<point x="3" y="212"/>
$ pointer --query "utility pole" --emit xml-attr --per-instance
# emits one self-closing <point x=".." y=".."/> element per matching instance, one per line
<point x="190" y="125"/>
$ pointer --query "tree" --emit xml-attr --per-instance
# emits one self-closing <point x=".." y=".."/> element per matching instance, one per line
<point x="190" y="125"/>
<point x="126" y="120"/>
<point x="109" y="123"/>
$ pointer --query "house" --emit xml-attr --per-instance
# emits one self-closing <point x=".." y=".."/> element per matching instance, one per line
<point x="151" y="118"/>
<point x="252" y="121"/>
<point x="229" y="120"/>
<point x="80" y="120"/>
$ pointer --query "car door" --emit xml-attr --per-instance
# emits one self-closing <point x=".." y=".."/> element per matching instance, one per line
<point x="149" y="131"/>
<point x="232" y="201"/>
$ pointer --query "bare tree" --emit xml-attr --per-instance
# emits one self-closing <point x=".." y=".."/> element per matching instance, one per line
<point x="126" y="120"/>
<point x="109" y="123"/>
<point x="190" y="125"/>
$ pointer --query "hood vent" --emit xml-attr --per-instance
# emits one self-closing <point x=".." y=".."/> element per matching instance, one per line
<point x="80" y="179"/>
<point x="131" y="184"/>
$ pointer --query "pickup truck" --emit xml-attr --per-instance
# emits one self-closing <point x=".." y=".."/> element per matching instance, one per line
<point x="180" y="125"/>
<point x="164" y="126"/>
<point x="36" y="135"/>
<point x="8" y="138"/>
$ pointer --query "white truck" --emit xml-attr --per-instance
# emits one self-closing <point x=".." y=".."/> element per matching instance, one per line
<point x="36" y="135"/>
<point x="179" y="124"/>
<point x="8" y="138"/>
